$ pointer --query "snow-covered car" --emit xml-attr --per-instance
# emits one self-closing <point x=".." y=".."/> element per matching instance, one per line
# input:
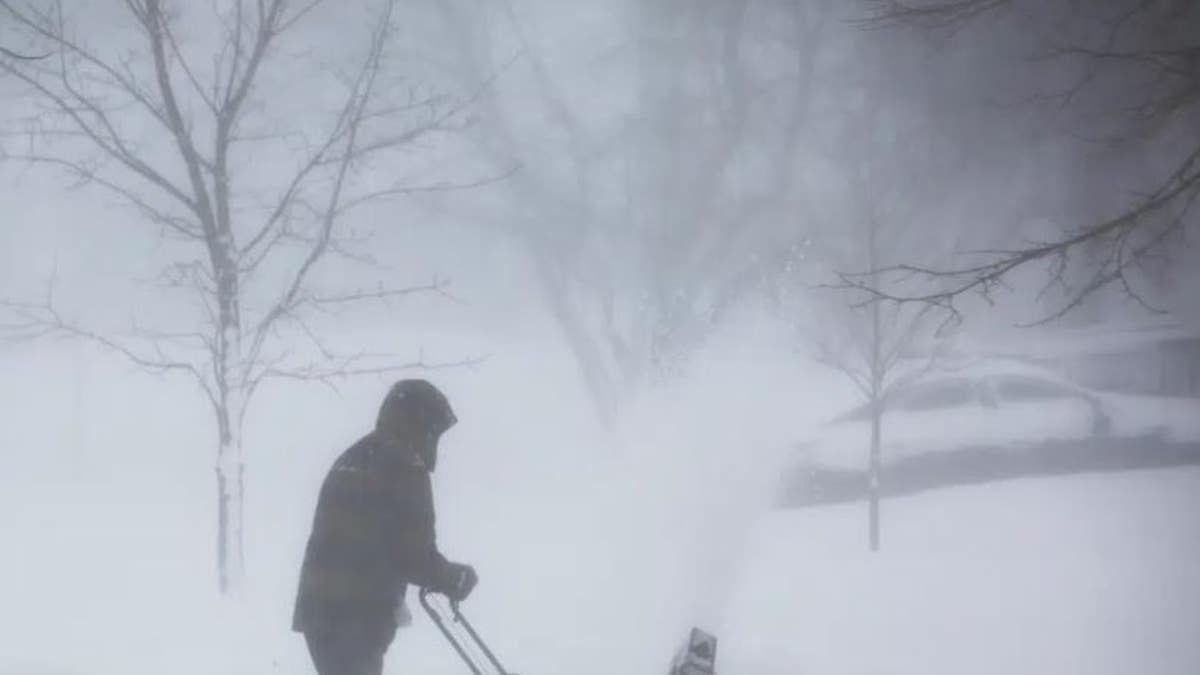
<point x="989" y="420"/>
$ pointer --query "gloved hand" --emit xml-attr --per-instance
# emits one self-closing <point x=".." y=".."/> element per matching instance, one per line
<point x="401" y="615"/>
<point x="461" y="580"/>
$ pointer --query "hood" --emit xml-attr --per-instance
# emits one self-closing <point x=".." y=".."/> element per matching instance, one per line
<point x="413" y="417"/>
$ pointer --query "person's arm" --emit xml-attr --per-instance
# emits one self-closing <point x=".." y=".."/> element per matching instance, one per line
<point x="416" y="551"/>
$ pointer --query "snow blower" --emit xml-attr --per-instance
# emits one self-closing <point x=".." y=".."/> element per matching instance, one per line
<point x="697" y="657"/>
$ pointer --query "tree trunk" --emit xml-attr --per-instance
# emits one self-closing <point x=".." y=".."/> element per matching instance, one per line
<point x="230" y="500"/>
<point x="873" y="474"/>
<point x="588" y="355"/>
<point x="78" y="436"/>
<point x="878" y="372"/>
<point x="230" y="408"/>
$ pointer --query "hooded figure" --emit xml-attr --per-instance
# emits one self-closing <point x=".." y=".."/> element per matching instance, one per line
<point x="373" y="534"/>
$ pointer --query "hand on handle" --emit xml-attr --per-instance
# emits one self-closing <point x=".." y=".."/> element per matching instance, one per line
<point x="462" y="580"/>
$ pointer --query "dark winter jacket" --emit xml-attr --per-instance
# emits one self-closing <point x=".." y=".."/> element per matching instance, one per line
<point x="373" y="532"/>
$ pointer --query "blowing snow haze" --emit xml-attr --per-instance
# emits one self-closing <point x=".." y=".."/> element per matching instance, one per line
<point x="862" y="336"/>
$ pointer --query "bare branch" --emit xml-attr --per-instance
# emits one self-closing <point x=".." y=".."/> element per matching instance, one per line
<point x="268" y="233"/>
<point x="927" y="13"/>
<point x="199" y="88"/>
<point x="156" y="215"/>
<point x="353" y="367"/>
<point x="285" y="23"/>
<point x="1180" y="189"/>
<point x="108" y="141"/>
<point x="405" y="190"/>
<point x="53" y="30"/>
<point x="904" y="339"/>
<point x="437" y="286"/>
<point x="24" y="57"/>
<point x="350" y="120"/>
<point x="860" y="380"/>
<point x="906" y="379"/>
<point x="154" y="23"/>
<point x="34" y="321"/>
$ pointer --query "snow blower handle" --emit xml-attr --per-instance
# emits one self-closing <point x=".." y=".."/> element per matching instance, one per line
<point x="468" y="646"/>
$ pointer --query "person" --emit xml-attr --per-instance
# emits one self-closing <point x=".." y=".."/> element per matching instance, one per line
<point x="373" y="536"/>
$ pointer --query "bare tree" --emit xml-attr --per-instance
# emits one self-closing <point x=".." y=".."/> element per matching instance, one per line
<point x="876" y="191"/>
<point x="881" y="349"/>
<point x="877" y="348"/>
<point x="641" y="220"/>
<point x="1134" y="89"/>
<point x="170" y="134"/>
<point x="618" y="279"/>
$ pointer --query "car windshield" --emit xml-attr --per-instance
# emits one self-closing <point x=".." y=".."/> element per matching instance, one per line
<point x="1019" y="388"/>
<point x="934" y="395"/>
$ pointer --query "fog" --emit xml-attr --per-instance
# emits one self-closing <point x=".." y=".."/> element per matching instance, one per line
<point x="863" y="336"/>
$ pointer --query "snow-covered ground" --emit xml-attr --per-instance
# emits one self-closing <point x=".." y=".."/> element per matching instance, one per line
<point x="1093" y="574"/>
<point x="597" y="551"/>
